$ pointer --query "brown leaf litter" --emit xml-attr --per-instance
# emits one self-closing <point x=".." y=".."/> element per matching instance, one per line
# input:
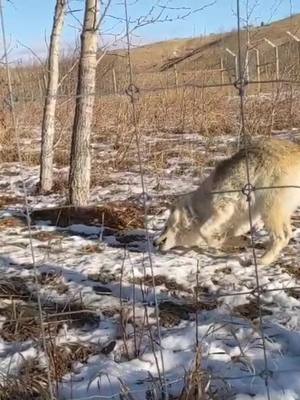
<point x="250" y="310"/>
<point x="115" y="215"/>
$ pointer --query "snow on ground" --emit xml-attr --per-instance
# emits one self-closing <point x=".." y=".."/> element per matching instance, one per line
<point x="224" y="320"/>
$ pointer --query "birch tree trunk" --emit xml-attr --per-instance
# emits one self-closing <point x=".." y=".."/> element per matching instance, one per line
<point x="48" y="124"/>
<point x="80" y="161"/>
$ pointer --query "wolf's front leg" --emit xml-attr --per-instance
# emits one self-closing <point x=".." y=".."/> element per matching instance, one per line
<point x="213" y="230"/>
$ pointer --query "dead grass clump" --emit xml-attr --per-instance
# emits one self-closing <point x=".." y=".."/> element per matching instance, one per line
<point x="47" y="236"/>
<point x="101" y="180"/>
<point x="160" y="280"/>
<point x="8" y="148"/>
<point x="171" y="313"/>
<point x="30" y="383"/>
<point x="239" y="243"/>
<point x="294" y="293"/>
<point x="54" y="281"/>
<point x="61" y="157"/>
<point x="63" y="357"/>
<point x="12" y="222"/>
<point x="104" y="277"/>
<point x="75" y="314"/>
<point x="15" y="288"/>
<point x="197" y="382"/>
<point x="91" y="249"/>
<point x="250" y="310"/>
<point x="60" y="183"/>
<point x="23" y="321"/>
<point x="31" y="157"/>
<point x="7" y="200"/>
<point x="293" y="270"/>
<point x="115" y="215"/>
<point x="263" y="115"/>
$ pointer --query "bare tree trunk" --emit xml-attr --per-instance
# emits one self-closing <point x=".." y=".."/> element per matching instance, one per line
<point x="48" y="125"/>
<point x="80" y="162"/>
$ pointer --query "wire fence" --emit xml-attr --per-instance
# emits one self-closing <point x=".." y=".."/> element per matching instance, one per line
<point x="45" y="319"/>
<point x="162" y="88"/>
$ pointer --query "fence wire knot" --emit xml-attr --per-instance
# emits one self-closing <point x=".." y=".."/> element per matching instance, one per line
<point x="266" y="374"/>
<point x="258" y="291"/>
<point x="247" y="190"/>
<point x="132" y="91"/>
<point x="240" y="85"/>
<point x="7" y="102"/>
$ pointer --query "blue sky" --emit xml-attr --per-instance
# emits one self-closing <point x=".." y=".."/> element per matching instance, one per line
<point x="29" y="21"/>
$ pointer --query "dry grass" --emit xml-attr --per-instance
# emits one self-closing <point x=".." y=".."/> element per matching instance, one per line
<point x="171" y="313"/>
<point x="14" y="287"/>
<point x="250" y="310"/>
<point x="53" y="280"/>
<point x="7" y="200"/>
<point x="197" y="383"/>
<point x="208" y="112"/>
<point x="162" y="280"/>
<point x="63" y="357"/>
<point x="22" y="319"/>
<point x="31" y="382"/>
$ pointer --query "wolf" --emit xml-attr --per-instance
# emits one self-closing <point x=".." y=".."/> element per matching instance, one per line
<point x="224" y="203"/>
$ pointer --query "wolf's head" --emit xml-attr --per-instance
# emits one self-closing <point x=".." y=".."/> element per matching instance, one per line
<point x="180" y="229"/>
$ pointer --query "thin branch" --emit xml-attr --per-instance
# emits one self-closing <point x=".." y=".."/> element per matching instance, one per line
<point x="103" y="13"/>
<point x="34" y="54"/>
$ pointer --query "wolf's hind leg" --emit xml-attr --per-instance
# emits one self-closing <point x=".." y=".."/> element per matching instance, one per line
<point x="277" y="222"/>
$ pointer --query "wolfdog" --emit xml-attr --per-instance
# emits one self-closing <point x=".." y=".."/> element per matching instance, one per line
<point x="218" y="209"/>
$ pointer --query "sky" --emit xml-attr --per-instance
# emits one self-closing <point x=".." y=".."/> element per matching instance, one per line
<point x="28" y="22"/>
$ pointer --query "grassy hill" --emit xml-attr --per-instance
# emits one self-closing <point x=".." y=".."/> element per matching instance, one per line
<point x="205" y="52"/>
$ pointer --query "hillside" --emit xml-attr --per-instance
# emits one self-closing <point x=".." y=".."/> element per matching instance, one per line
<point x="205" y="52"/>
